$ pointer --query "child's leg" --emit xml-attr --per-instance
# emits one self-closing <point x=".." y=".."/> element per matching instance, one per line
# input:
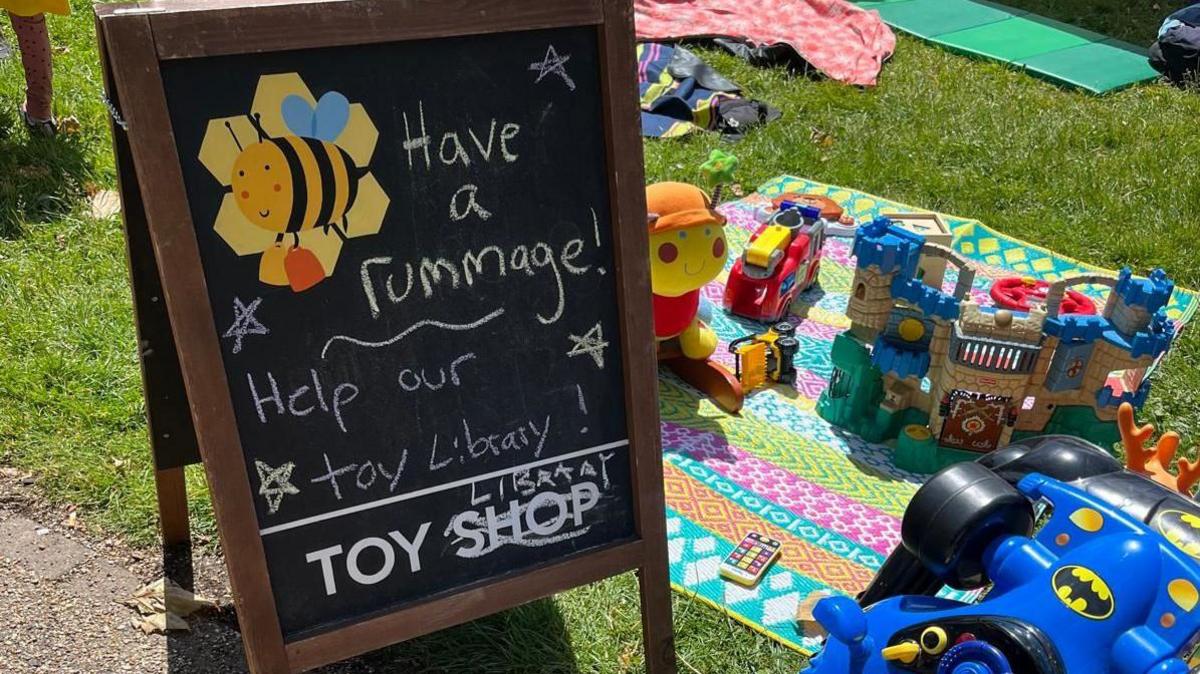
<point x="35" y="56"/>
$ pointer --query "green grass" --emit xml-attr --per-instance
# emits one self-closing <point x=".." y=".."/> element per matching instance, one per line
<point x="1107" y="180"/>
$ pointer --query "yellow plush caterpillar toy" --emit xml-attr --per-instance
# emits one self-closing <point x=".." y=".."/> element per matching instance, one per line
<point x="687" y="251"/>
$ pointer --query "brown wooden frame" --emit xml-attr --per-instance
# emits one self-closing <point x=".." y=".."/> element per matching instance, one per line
<point x="134" y="39"/>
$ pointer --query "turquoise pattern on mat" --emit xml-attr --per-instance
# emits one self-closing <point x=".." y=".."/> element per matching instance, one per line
<point x="695" y="556"/>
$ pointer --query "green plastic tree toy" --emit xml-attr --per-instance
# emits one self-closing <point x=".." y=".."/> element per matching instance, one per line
<point x="718" y="171"/>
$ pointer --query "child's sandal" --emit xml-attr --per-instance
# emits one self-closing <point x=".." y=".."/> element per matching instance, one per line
<point x="46" y="128"/>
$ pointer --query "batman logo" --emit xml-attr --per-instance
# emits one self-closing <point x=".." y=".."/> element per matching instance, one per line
<point x="1182" y="529"/>
<point x="1084" y="592"/>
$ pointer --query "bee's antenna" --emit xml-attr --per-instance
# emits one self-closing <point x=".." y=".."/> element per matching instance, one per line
<point x="256" y="120"/>
<point x="232" y="133"/>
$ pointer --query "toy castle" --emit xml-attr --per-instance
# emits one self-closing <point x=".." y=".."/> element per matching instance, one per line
<point x="948" y="378"/>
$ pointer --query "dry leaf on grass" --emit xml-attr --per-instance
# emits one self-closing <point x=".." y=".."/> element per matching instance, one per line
<point x="163" y="605"/>
<point x="105" y="204"/>
<point x="823" y="139"/>
<point x="69" y="125"/>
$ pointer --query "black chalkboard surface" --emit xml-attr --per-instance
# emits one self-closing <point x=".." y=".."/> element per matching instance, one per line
<point x="408" y="253"/>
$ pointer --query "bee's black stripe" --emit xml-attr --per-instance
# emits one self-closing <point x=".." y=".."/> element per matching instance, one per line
<point x="299" y="184"/>
<point x="324" y="166"/>
<point x="352" y="173"/>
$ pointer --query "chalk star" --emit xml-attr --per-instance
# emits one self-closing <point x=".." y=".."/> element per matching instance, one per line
<point x="592" y="344"/>
<point x="245" y="323"/>
<point x="553" y="64"/>
<point x="274" y="483"/>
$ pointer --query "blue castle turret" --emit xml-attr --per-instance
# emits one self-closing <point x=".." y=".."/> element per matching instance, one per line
<point x="1138" y="300"/>
<point x="888" y="247"/>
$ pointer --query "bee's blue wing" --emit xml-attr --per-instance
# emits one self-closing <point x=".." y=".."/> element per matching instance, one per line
<point x="298" y="115"/>
<point x="324" y="122"/>
<point x="331" y="117"/>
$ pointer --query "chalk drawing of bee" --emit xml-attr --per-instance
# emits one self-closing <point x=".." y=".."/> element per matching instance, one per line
<point x="297" y="169"/>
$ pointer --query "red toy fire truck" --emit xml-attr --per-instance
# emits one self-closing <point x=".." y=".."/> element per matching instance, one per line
<point x="780" y="262"/>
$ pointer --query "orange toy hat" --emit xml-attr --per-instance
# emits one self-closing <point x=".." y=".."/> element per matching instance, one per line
<point x="678" y="206"/>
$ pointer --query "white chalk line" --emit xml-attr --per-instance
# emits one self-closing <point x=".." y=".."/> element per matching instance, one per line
<point x="334" y="514"/>
<point x="458" y="327"/>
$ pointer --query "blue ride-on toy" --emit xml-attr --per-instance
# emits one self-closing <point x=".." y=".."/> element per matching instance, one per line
<point x="1087" y="568"/>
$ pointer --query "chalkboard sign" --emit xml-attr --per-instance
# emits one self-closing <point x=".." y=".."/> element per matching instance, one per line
<point x="404" y="265"/>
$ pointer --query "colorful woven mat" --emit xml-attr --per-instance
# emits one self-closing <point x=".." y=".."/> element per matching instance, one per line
<point x="834" y="500"/>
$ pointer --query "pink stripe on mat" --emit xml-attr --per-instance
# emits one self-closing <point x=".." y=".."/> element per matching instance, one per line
<point x="830" y="510"/>
<point x="714" y="292"/>
<point x="839" y="252"/>
<point x="818" y="330"/>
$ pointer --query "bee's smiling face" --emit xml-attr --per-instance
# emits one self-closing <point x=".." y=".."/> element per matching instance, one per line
<point x="262" y="186"/>
<point x="684" y="260"/>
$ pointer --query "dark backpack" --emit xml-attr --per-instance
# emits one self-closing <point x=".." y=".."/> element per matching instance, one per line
<point x="1176" y="52"/>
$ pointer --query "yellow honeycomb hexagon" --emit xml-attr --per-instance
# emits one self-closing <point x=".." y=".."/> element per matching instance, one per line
<point x="366" y="217"/>
<point x="268" y="98"/>
<point x="242" y="237"/>
<point x="219" y="148"/>
<point x="327" y="246"/>
<point x="360" y="136"/>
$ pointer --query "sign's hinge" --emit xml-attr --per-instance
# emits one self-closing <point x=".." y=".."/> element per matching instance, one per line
<point x="116" y="114"/>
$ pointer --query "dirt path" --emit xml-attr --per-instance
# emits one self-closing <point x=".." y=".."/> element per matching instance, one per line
<point x="60" y="601"/>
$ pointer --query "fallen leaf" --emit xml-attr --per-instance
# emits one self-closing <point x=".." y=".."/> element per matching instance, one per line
<point x="69" y="126"/>
<point x="737" y="189"/>
<point x="821" y="138"/>
<point x="105" y="204"/>
<point x="161" y="623"/>
<point x="61" y="240"/>
<point x="72" y="521"/>
<point x="118" y="463"/>
<point x="62" y="49"/>
<point x="163" y="606"/>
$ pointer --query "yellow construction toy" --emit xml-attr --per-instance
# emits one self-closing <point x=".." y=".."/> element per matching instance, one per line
<point x="758" y="358"/>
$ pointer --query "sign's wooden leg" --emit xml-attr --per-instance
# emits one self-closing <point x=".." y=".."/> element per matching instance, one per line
<point x="658" y="634"/>
<point x="172" y="505"/>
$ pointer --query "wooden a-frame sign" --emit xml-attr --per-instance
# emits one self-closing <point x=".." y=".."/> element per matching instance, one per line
<point x="499" y="134"/>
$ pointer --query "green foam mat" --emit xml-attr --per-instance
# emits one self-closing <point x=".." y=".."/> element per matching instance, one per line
<point x="1049" y="49"/>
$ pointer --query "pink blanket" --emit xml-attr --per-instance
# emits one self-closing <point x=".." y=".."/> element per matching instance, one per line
<point x="845" y="42"/>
